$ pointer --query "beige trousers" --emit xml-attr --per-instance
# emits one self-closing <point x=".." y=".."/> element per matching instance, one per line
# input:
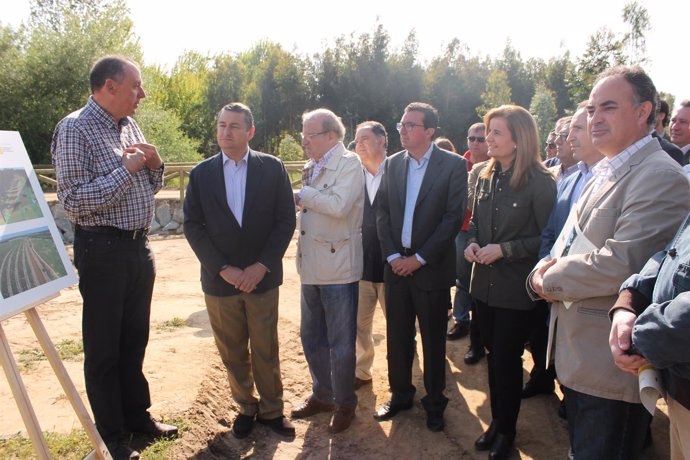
<point x="245" y="327"/>
<point x="369" y="294"/>
<point x="679" y="430"/>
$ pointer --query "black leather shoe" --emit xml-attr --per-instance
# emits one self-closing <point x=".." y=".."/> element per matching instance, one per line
<point x="474" y="354"/>
<point x="152" y="427"/>
<point x="388" y="410"/>
<point x="120" y="451"/>
<point x="279" y="425"/>
<point x="242" y="426"/>
<point x="458" y="331"/>
<point x="503" y="446"/>
<point x="537" y="387"/>
<point x="562" y="412"/>
<point x="434" y="421"/>
<point x="486" y="440"/>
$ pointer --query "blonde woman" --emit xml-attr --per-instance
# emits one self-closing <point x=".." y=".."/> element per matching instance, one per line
<point x="513" y="199"/>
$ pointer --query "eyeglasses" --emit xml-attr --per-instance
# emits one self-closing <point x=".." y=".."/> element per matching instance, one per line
<point x="480" y="139"/>
<point x="407" y="126"/>
<point x="551" y="145"/>
<point x="310" y="135"/>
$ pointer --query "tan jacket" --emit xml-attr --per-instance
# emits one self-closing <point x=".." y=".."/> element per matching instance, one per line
<point x="329" y="224"/>
<point x="630" y="218"/>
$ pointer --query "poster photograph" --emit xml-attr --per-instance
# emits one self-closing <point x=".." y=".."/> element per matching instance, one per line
<point x="34" y="265"/>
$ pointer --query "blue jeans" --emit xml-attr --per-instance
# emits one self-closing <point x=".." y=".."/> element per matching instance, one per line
<point x="328" y="331"/>
<point x="463" y="271"/>
<point x="601" y="428"/>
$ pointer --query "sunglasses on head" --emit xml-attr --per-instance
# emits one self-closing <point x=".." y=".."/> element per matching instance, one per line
<point x="476" y="138"/>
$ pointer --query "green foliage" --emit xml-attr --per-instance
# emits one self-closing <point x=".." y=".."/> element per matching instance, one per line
<point x="71" y="446"/>
<point x="162" y="128"/>
<point x="497" y="92"/>
<point x="174" y="323"/>
<point x="50" y="62"/>
<point x="637" y="18"/>
<point x="44" y="67"/>
<point x="604" y="50"/>
<point x="543" y="108"/>
<point x="289" y="149"/>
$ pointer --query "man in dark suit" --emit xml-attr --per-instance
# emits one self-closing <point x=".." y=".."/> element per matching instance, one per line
<point x="372" y="141"/>
<point x="423" y="197"/>
<point x="239" y="219"/>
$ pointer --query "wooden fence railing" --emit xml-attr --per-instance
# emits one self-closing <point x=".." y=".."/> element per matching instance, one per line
<point x="46" y="174"/>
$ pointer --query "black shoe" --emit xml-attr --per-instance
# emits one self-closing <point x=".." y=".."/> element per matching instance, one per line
<point x="434" y="421"/>
<point x="152" y="427"/>
<point x="458" y="331"/>
<point x="537" y="387"/>
<point x="474" y="354"/>
<point x="359" y="383"/>
<point x="389" y="410"/>
<point x="486" y="440"/>
<point x="503" y="446"/>
<point x="120" y="451"/>
<point x="242" y="426"/>
<point x="562" y="412"/>
<point x="279" y="425"/>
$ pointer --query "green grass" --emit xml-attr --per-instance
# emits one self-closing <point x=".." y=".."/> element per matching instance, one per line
<point x="75" y="445"/>
<point x="171" y="324"/>
<point x="68" y="349"/>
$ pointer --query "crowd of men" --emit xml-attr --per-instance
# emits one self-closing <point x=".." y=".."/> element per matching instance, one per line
<point x="610" y="288"/>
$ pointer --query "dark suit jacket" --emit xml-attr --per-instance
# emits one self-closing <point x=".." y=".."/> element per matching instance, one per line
<point x="670" y="148"/>
<point x="439" y="212"/>
<point x="373" y="260"/>
<point x="559" y="213"/>
<point x="268" y="221"/>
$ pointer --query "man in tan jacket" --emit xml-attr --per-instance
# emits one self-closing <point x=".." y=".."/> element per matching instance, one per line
<point x="329" y="261"/>
<point x="627" y="212"/>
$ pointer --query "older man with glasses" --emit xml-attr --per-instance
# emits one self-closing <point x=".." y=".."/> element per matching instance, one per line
<point x="329" y="261"/>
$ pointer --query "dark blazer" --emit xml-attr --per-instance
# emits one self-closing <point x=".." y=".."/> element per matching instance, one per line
<point x="439" y="212"/>
<point x="670" y="148"/>
<point x="268" y="221"/>
<point x="559" y="213"/>
<point x="373" y="260"/>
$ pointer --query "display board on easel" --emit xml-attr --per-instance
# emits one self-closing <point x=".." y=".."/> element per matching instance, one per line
<point x="34" y="267"/>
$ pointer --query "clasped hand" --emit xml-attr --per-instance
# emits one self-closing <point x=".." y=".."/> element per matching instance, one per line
<point x="244" y="280"/>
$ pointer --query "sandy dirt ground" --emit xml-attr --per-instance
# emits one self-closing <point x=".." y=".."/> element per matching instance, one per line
<point x="188" y="382"/>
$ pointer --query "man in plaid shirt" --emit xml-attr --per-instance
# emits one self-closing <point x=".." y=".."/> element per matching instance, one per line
<point x="107" y="176"/>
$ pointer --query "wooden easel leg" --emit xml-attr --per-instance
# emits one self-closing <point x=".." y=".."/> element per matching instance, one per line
<point x="100" y="450"/>
<point x="22" y="398"/>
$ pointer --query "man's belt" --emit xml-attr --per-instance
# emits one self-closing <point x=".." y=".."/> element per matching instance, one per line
<point x="122" y="234"/>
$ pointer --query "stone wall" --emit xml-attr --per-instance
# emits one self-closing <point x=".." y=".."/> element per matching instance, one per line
<point x="168" y="219"/>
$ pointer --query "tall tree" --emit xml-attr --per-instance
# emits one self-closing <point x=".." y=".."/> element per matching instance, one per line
<point x="497" y="92"/>
<point x="637" y="18"/>
<point x="603" y="50"/>
<point x="543" y="108"/>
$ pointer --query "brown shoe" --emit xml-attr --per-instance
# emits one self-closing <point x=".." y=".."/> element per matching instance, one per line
<point x="342" y="418"/>
<point x="311" y="406"/>
<point x="359" y="383"/>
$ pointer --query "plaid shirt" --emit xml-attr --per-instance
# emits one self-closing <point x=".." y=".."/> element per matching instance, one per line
<point x="93" y="186"/>
<point x="607" y="168"/>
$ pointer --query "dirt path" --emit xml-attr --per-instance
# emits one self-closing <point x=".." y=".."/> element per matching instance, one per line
<point x="187" y="381"/>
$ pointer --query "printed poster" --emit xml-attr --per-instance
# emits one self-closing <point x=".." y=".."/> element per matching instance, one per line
<point x="34" y="265"/>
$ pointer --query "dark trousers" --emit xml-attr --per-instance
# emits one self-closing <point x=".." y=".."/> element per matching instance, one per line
<point x="116" y="279"/>
<point x="538" y="339"/>
<point x="404" y="303"/>
<point x="504" y="333"/>
<point x="603" y="428"/>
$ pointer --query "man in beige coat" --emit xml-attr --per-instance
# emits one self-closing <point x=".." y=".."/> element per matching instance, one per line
<point x="329" y="261"/>
<point x="630" y="210"/>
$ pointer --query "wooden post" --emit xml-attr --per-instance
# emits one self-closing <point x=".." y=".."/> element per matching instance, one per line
<point x="100" y="450"/>
<point x="22" y="399"/>
<point x="181" y="186"/>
